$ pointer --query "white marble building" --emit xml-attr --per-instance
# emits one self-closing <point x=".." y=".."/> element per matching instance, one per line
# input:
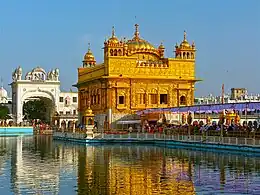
<point x="67" y="111"/>
<point x="39" y="84"/>
<point x="4" y="99"/>
<point x="210" y="99"/>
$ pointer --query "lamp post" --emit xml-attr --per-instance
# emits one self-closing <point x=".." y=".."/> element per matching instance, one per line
<point x="222" y="121"/>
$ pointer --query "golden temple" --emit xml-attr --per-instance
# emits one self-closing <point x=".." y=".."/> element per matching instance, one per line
<point x="135" y="75"/>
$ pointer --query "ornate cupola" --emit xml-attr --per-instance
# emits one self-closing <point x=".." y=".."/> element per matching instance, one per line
<point x="185" y="50"/>
<point x="161" y="50"/>
<point x="89" y="59"/>
<point x="113" y="40"/>
<point x="113" y="47"/>
<point x="139" y="45"/>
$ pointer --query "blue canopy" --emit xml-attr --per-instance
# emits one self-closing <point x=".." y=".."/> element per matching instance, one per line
<point x="207" y="108"/>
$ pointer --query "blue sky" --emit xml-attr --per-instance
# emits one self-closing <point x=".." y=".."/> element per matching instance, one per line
<point x="56" y="34"/>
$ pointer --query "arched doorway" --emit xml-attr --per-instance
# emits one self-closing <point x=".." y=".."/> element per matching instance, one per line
<point x="183" y="100"/>
<point x="39" y="109"/>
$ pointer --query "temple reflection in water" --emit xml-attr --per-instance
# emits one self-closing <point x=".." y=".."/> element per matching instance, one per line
<point x="37" y="165"/>
<point x="131" y="170"/>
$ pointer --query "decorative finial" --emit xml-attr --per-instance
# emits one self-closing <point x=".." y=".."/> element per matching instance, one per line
<point x="88" y="46"/>
<point x="113" y="31"/>
<point x="193" y="43"/>
<point x="136" y="31"/>
<point x="88" y="104"/>
<point x="185" y="35"/>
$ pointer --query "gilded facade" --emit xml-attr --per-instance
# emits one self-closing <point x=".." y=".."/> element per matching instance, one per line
<point x="136" y="75"/>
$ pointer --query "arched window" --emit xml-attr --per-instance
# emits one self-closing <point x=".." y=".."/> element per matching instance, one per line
<point x="182" y="100"/>
<point x="184" y="55"/>
<point x="111" y="52"/>
<point x="90" y="121"/>
<point x="115" y="52"/>
<point x="188" y="55"/>
<point x="119" y="52"/>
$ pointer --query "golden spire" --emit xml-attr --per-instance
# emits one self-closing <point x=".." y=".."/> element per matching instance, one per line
<point x="89" y="57"/>
<point x="185" y="43"/>
<point x="113" y="38"/>
<point x="184" y="36"/>
<point x="136" y="31"/>
<point x="89" y="51"/>
<point x="113" y="32"/>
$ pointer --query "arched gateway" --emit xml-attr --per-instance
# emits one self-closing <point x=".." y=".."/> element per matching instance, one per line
<point x="37" y="84"/>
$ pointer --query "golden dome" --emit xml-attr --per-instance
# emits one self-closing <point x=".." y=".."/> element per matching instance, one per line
<point x="88" y="111"/>
<point x="185" y="43"/>
<point x="89" y="55"/>
<point x="138" y="43"/>
<point x="113" y="38"/>
<point x="161" y="46"/>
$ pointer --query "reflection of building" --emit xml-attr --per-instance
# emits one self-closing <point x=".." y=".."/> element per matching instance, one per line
<point x="38" y="84"/>
<point x="136" y="75"/>
<point x="131" y="170"/>
<point x="30" y="175"/>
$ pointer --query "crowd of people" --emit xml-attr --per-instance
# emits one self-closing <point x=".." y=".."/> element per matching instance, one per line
<point x="198" y="128"/>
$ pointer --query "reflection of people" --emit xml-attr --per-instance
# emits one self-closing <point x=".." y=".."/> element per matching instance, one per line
<point x="164" y="119"/>
<point x="222" y="118"/>
<point x="95" y="124"/>
<point x="237" y="119"/>
<point x="189" y="118"/>
<point x="208" y="120"/>
<point x="130" y="129"/>
<point x="183" y="118"/>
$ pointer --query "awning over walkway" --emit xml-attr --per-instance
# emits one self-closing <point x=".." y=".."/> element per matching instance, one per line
<point x="207" y="108"/>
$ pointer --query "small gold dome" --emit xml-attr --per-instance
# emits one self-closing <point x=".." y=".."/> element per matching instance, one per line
<point x="88" y="111"/>
<point x="161" y="46"/>
<point x="185" y="43"/>
<point x="89" y="56"/>
<point x="113" y="38"/>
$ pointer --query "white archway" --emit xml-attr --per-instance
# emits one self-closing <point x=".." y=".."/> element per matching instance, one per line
<point x="44" y="95"/>
<point x="36" y="84"/>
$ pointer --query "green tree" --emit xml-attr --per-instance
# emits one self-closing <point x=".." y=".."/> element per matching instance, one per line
<point x="35" y="109"/>
<point x="4" y="111"/>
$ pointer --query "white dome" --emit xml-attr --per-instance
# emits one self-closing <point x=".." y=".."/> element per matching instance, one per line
<point x="3" y="93"/>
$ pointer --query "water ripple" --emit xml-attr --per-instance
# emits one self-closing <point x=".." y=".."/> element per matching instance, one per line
<point x="38" y="165"/>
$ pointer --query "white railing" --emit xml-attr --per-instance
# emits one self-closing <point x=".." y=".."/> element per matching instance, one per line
<point x="162" y="137"/>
